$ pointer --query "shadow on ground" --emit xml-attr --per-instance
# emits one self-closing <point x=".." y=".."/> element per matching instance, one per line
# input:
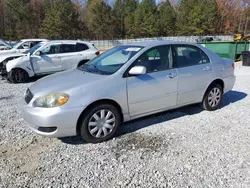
<point x="30" y="80"/>
<point x="132" y="126"/>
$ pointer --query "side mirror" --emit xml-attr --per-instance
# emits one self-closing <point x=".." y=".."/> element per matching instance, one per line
<point x="38" y="53"/>
<point x="137" y="70"/>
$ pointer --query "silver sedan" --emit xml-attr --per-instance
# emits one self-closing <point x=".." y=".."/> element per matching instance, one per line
<point x="124" y="83"/>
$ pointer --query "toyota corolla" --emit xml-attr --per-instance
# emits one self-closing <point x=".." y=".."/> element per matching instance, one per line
<point x="124" y="83"/>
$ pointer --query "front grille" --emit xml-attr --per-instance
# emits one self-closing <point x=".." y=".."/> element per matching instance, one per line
<point x="28" y="96"/>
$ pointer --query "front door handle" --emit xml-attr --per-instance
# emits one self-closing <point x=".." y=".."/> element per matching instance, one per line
<point x="171" y="75"/>
<point x="207" y="69"/>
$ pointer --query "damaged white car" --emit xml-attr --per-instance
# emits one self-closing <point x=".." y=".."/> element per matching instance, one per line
<point x="50" y="57"/>
<point x="21" y="48"/>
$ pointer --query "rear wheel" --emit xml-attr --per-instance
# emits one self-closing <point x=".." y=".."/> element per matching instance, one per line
<point x="213" y="98"/>
<point x="18" y="76"/>
<point x="100" y="123"/>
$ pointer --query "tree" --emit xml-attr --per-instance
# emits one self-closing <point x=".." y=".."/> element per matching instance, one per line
<point x="197" y="17"/>
<point x="167" y="19"/>
<point x="232" y="15"/>
<point x="129" y="9"/>
<point x="37" y="16"/>
<point x="123" y="13"/>
<point x="101" y="22"/>
<point x="60" y="21"/>
<point x="146" y="19"/>
<point x="18" y="21"/>
<point x="2" y="18"/>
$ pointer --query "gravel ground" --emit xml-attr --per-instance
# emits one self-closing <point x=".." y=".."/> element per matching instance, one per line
<point x="186" y="147"/>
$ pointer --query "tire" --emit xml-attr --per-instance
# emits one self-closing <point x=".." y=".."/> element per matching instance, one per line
<point x="90" y="126"/>
<point x="18" y="76"/>
<point x="212" y="98"/>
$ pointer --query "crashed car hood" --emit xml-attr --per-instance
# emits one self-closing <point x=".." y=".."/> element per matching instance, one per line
<point x="4" y="52"/>
<point x="3" y="57"/>
<point x="63" y="81"/>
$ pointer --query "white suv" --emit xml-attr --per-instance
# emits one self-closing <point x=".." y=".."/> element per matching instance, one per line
<point x="50" y="57"/>
<point x="18" y="50"/>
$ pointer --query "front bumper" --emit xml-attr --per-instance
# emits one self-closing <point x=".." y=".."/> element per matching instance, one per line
<point x="64" y="120"/>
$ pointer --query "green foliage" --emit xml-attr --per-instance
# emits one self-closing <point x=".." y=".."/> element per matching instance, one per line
<point x="166" y="19"/>
<point x="197" y="17"/>
<point x="101" y="21"/>
<point x="123" y="13"/>
<point x="145" y="19"/>
<point x="60" y="21"/>
<point x="95" y="19"/>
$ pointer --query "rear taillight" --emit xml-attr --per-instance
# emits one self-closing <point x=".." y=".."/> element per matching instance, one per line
<point x="97" y="53"/>
<point x="233" y="65"/>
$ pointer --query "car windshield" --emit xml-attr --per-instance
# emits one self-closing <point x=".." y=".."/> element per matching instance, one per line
<point x="4" y="43"/>
<point x="16" y="45"/>
<point x="112" y="60"/>
<point x="34" y="48"/>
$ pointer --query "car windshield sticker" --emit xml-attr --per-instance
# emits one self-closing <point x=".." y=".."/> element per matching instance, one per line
<point x="132" y="49"/>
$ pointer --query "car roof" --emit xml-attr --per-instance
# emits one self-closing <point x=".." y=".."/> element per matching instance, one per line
<point x="26" y="40"/>
<point x="68" y="41"/>
<point x="157" y="43"/>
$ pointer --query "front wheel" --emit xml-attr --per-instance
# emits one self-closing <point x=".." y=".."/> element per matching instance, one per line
<point x="18" y="76"/>
<point x="100" y="123"/>
<point x="212" y="98"/>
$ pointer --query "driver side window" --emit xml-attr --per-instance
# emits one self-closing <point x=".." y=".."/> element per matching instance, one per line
<point x="25" y="45"/>
<point x="156" y="59"/>
<point x="53" y="49"/>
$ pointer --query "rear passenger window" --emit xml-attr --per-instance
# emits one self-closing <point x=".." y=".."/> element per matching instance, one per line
<point x="188" y="56"/>
<point x="81" y="47"/>
<point x="67" y="48"/>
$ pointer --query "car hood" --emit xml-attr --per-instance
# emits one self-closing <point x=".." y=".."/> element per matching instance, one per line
<point x="4" y="52"/>
<point x="64" y="81"/>
<point x="5" y="56"/>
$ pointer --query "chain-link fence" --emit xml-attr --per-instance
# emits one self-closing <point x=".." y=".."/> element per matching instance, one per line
<point x="106" y="44"/>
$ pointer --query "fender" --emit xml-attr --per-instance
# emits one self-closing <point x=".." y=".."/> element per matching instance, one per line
<point x="23" y="63"/>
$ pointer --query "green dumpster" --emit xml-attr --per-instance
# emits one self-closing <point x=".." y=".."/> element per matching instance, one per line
<point x="232" y="50"/>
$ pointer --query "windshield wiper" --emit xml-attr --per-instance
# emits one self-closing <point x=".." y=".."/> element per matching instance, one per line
<point x="97" y="70"/>
<point x="85" y="67"/>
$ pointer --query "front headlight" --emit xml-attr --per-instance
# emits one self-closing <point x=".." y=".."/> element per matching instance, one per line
<point x="51" y="100"/>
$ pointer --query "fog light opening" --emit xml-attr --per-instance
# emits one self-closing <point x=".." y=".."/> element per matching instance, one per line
<point x="47" y="129"/>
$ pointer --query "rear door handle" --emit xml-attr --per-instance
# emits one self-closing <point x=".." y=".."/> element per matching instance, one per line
<point x="171" y="75"/>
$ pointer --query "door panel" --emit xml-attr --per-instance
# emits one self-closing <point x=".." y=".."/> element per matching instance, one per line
<point x="71" y="60"/>
<point x="192" y="83"/>
<point x="194" y="71"/>
<point x="46" y="63"/>
<point x="157" y="89"/>
<point x="151" y="92"/>
<point x="49" y="61"/>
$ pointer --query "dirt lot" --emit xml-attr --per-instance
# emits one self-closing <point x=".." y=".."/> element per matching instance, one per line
<point x="186" y="147"/>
